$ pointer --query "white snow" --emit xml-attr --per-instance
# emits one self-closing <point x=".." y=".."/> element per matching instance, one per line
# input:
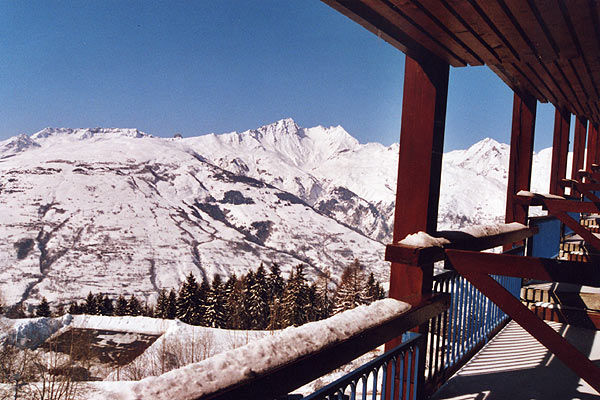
<point x="260" y="356"/>
<point x="526" y="193"/>
<point x="422" y="239"/>
<point x="144" y="212"/>
<point x="479" y="231"/>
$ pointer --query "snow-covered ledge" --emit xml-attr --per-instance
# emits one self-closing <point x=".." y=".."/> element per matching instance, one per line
<point x="256" y="358"/>
<point x="422" y="249"/>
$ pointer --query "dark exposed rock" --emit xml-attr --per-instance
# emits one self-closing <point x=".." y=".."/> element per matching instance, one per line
<point x="235" y="197"/>
<point x="24" y="246"/>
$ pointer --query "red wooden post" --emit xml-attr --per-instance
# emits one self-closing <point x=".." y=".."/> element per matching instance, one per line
<point x="594" y="132"/>
<point x="578" y="145"/>
<point x="560" y="149"/>
<point x="521" y="154"/>
<point x="419" y="167"/>
<point x="419" y="173"/>
<point x="592" y="146"/>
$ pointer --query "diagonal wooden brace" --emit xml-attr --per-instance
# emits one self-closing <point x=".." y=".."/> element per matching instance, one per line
<point x="475" y="267"/>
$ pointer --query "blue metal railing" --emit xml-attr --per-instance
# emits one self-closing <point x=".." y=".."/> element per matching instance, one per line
<point x="472" y="317"/>
<point x="367" y="381"/>
<point x="469" y="323"/>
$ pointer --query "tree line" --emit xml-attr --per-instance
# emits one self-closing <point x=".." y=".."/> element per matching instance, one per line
<point x="260" y="299"/>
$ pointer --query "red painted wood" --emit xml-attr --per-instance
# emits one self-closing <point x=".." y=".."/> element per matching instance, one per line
<point x="419" y="165"/>
<point x="521" y="154"/>
<point x="546" y="269"/>
<point x="467" y="263"/>
<point x="593" y="146"/>
<point x="419" y="170"/>
<point x="560" y="149"/>
<point x="579" y="145"/>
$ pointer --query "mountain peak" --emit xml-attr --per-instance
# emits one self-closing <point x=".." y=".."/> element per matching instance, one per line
<point x="87" y="133"/>
<point x="16" y="144"/>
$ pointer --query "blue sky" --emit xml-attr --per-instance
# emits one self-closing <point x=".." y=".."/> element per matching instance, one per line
<point x="219" y="66"/>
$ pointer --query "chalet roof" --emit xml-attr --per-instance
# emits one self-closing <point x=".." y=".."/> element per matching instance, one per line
<point x="548" y="48"/>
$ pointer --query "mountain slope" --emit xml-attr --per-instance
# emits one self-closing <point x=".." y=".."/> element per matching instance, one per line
<point x="119" y="211"/>
<point x="130" y="214"/>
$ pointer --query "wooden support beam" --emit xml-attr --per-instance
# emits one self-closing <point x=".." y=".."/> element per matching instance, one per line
<point x="419" y="174"/>
<point x="521" y="154"/>
<point x="592" y="146"/>
<point x="579" y="145"/>
<point x="560" y="149"/>
<point x="419" y="167"/>
<point x="475" y="267"/>
<point x="411" y="255"/>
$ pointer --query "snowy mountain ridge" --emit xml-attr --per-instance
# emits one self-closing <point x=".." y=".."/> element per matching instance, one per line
<point x="119" y="211"/>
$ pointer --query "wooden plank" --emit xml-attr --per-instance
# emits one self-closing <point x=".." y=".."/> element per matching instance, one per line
<point x="456" y="23"/>
<point x="591" y="147"/>
<point x="560" y="149"/>
<point x="429" y="22"/>
<point x="528" y="20"/>
<point x="545" y="269"/>
<point x="394" y="15"/>
<point x="283" y="379"/>
<point x="417" y="256"/>
<point x="579" y="145"/>
<point x="498" y="18"/>
<point x="474" y="267"/>
<point x="521" y="154"/>
<point x="387" y="29"/>
<point x="557" y="29"/>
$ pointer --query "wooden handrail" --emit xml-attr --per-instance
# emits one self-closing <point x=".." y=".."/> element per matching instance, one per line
<point x="285" y="378"/>
<point x="411" y="255"/>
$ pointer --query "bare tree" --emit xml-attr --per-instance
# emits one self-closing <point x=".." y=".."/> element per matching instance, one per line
<point x="55" y="376"/>
<point x="170" y="353"/>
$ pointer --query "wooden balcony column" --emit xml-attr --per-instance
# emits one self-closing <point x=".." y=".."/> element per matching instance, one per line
<point x="419" y="170"/>
<point x="560" y="150"/>
<point x="578" y="146"/>
<point x="419" y="174"/>
<point x="521" y="154"/>
<point x="593" y="146"/>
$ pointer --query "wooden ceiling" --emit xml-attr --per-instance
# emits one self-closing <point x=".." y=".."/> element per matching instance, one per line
<point x="549" y="48"/>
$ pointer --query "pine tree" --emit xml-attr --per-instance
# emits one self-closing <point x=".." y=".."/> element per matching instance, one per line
<point x="172" y="305"/>
<point x="374" y="289"/>
<point x="214" y="315"/>
<point x="134" y="307"/>
<point x="352" y="290"/>
<point x="203" y="293"/>
<point x="91" y="306"/>
<point x="236" y="315"/>
<point x="43" y="309"/>
<point x="275" y="282"/>
<point x="105" y="305"/>
<point x="75" y="308"/>
<point x="295" y="301"/>
<point x="121" y="308"/>
<point x="324" y="297"/>
<point x="188" y="302"/>
<point x="258" y="300"/>
<point x="162" y="305"/>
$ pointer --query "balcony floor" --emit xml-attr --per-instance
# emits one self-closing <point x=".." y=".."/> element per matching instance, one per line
<point x="515" y="366"/>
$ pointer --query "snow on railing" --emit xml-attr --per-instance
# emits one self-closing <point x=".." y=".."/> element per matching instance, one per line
<point x="243" y="364"/>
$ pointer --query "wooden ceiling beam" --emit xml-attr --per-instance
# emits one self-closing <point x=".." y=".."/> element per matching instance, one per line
<point x="432" y="24"/>
<point x="376" y="22"/>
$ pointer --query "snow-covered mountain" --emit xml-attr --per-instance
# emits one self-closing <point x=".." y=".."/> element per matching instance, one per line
<point x="119" y="211"/>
